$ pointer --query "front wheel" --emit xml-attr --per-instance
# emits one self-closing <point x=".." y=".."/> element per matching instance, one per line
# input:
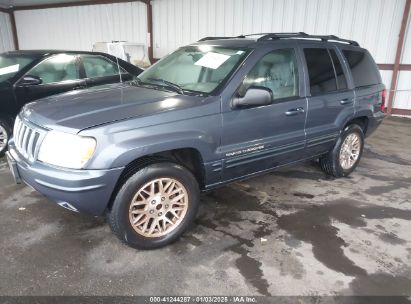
<point x="346" y="154"/>
<point x="155" y="206"/>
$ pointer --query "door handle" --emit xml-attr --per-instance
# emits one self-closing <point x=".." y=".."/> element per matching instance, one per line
<point x="296" y="111"/>
<point x="79" y="87"/>
<point x="346" y="101"/>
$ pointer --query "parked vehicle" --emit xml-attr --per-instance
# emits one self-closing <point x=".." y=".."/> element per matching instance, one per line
<point x="29" y="75"/>
<point x="211" y="113"/>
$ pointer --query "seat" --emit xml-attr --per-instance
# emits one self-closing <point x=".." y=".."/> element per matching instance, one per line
<point x="279" y="76"/>
<point x="70" y="73"/>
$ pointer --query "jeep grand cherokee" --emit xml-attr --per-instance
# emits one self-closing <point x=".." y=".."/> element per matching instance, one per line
<point x="211" y="113"/>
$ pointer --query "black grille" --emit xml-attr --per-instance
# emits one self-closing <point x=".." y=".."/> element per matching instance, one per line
<point x="26" y="139"/>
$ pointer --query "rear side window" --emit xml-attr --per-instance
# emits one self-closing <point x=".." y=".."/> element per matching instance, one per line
<point x="98" y="66"/>
<point x="341" y="80"/>
<point x="363" y="69"/>
<point x="320" y="71"/>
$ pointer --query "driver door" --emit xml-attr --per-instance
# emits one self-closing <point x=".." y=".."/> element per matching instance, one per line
<point x="258" y="138"/>
<point x="54" y="75"/>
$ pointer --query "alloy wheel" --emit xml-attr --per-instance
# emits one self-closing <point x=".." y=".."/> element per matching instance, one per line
<point x="350" y="151"/>
<point x="158" y="207"/>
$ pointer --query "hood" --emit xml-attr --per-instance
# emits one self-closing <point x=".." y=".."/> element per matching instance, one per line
<point x="78" y="110"/>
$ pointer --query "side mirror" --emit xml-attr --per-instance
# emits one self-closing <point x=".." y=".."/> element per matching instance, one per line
<point x="30" y="80"/>
<point x="254" y="97"/>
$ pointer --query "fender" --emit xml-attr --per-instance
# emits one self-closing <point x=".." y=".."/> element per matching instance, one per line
<point x="121" y="148"/>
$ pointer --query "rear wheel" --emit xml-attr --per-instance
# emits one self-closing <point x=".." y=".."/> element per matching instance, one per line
<point x="346" y="154"/>
<point x="5" y="133"/>
<point x="155" y="206"/>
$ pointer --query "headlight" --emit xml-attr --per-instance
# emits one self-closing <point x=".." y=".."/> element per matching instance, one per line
<point x="66" y="150"/>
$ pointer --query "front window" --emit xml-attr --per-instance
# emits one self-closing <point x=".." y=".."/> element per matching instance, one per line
<point x="195" y="68"/>
<point x="276" y="71"/>
<point x="58" y="68"/>
<point x="11" y="64"/>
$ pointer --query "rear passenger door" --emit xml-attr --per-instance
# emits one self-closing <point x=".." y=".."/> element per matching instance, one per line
<point x="330" y="99"/>
<point x="99" y="70"/>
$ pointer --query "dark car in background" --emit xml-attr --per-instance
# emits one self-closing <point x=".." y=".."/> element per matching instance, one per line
<point x="26" y="76"/>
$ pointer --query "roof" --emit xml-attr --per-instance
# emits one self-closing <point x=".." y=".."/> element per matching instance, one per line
<point x="22" y="3"/>
<point x="40" y="54"/>
<point x="50" y="52"/>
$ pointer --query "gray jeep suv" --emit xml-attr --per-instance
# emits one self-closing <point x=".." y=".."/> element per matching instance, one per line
<point x="216" y="111"/>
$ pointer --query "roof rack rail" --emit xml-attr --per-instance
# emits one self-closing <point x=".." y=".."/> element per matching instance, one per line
<point x="218" y="38"/>
<point x="299" y="35"/>
<point x="296" y="35"/>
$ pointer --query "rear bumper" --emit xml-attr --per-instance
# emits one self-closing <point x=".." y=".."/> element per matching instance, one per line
<point x="374" y="122"/>
<point x="86" y="191"/>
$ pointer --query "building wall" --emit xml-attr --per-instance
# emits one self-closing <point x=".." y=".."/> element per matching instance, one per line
<point x="6" y="36"/>
<point x="370" y="22"/>
<point x="79" y="27"/>
<point x="406" y="55"/>
<point x="403" y="95"/>
<point x="375" y="24"/>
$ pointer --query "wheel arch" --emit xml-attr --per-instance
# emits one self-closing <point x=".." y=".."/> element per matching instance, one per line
<point x="362" y="121"/>
<point x="9" y="119"/>
<point x="190" y="158"/>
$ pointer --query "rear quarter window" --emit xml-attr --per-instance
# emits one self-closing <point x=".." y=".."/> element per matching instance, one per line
<point x="363" y="68"/>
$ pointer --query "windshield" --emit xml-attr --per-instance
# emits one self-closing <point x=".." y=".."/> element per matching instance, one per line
<point x="194" y="68"/>
<point x="11" y="64"/>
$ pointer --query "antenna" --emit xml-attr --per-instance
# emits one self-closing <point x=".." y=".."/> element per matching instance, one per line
<point x="118" y="65"/>
<point x="118" y="68"/>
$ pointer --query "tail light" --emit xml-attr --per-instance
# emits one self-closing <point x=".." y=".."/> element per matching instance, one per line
<point x="383" y="98"/>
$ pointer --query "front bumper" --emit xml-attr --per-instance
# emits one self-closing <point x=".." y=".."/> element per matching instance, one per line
<point x="86" y="191"/>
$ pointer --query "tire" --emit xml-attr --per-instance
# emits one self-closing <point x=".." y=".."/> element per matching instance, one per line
<point x="332" y="162"/>
<point x="141" y="199"/>
<point x="5" y="134"/>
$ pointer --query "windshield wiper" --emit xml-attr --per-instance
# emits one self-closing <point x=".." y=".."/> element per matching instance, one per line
<point x="136" y="81"/>
<point x="168" y="84"/>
